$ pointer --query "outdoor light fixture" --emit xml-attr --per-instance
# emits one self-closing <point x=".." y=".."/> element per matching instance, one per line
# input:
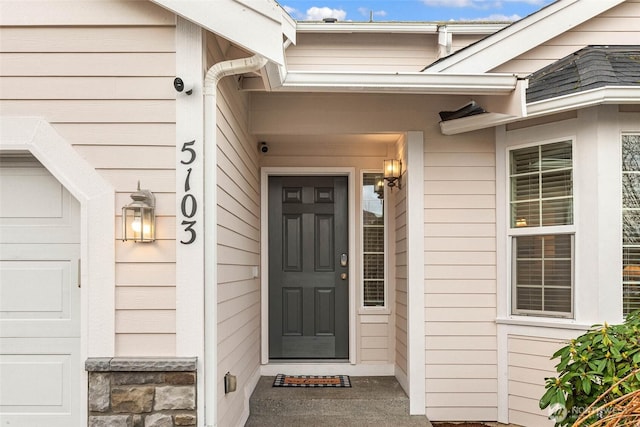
<point x="138" y="217"/>
<point x="379" y="188"/>
<point x="393" y="172"/>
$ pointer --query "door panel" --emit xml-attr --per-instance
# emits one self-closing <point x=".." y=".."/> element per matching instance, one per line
<point x="39" y="298"/>
<point x="308" y="286"/>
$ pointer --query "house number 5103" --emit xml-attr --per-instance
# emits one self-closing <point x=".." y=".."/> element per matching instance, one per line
<point x="189" y="204"/>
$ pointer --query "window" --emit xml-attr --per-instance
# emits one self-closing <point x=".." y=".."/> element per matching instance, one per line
<point x="630" y="223"/>
<point x="373" y="241"/>
<point x="541" y="220"/>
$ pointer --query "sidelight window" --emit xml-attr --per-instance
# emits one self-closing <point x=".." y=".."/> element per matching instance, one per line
<point x="373" y="241"/>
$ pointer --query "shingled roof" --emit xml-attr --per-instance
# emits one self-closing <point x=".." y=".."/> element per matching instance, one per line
<point x="589" y="68"/>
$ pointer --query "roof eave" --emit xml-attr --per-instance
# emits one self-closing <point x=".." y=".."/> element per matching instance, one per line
<point x="590" y="98"/>
<point x="409" y="83"/>
<point x="259" y="28"/>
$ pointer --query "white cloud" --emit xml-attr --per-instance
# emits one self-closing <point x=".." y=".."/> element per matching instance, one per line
<point x="496" y="17"/>
<point x="319" y="13"/>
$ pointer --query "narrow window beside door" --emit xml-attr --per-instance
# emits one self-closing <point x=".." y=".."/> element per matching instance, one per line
<point x="373" y="241"/>
<point x="630" y="223"/>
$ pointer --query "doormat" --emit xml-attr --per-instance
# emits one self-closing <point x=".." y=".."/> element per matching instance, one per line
<point x="283" y="380"/>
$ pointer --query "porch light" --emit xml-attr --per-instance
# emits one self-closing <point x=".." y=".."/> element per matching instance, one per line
<point x="379" y="188"/>
<point x="138" y="217"/>
<point x="393" y="172"/>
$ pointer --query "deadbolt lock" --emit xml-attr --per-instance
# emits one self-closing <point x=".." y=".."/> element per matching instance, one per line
<point x="343" y="276"/>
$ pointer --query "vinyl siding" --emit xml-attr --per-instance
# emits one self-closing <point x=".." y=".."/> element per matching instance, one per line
<point x="529" y="364"/>
<point x="362" y="52"/>
<point x="102" y="77"/>
<point x="618" y="26"/>
<point x="460" y="271"/>
<point x="238" y="233"/>
<point x="401" y="291"/>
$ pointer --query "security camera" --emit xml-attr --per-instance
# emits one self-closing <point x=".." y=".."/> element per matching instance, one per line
<point x="264" y="148"/>
<point x="179" y="86"/>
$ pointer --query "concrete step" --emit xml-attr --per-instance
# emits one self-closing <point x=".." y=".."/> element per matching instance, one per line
<point x="371" y="401"/>
<point x="328" y="421"/>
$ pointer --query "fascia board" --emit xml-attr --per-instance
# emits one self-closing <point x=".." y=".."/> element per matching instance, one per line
<point x="411" y="83"/>
<point x="523" y="35"/>
<point x="589" y="98"/>
<point x="367" y="27"/>
<point x="255" y="25"/>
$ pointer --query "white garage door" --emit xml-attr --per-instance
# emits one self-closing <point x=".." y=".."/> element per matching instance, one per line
<point x="39" y="297"/>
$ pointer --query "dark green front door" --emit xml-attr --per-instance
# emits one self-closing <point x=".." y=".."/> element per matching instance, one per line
<point x="308" y="267"/>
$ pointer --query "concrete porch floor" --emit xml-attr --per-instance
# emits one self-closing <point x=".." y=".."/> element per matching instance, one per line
<point x="371" y="401"/>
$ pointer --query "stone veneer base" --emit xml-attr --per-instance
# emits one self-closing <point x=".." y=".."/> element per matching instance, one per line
<point x="142" y="392"/>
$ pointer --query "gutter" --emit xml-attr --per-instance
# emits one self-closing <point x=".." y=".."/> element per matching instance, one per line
<point x="212" y="77"/>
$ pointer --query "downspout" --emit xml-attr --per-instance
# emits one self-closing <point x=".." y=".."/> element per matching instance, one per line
<point x="213" y="76"/>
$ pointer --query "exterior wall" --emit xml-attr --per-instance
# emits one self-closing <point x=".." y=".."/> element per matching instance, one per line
<point x="460" y="266"/>
<point x="529" y="364"/>
<point x="238" y="180"/>
<point x="618" y="26"/>
<point x="362" y="52"/>
<point x="401" y="292"/>
<point x="369" y="51"/>
<point x="102" y="77"/>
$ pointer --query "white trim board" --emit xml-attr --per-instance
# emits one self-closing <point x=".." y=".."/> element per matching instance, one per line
<point x="97" y="244"/>
<point x="265" y="172"/>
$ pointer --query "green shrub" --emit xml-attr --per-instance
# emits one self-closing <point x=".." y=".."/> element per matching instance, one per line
<point x="590" y="365"/>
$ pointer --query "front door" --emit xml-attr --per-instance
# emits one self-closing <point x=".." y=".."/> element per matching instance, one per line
<point x="308" y="267"/>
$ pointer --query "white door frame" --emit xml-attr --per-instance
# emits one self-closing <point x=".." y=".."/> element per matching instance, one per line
<point x="350" y="173"/>
<point x="97" y="235"/>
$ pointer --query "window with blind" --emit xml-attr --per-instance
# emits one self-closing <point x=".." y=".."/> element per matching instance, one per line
<point x="373" y="247"/>
<point x="541" y="220"/>
<point x="630" y="223"/>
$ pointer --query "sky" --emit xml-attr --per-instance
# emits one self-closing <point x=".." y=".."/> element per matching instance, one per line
<point x="412" y="10"/>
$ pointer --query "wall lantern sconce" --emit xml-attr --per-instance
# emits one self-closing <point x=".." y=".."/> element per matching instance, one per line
<point x="393" y="173"/>
<point x="138" y="217"/>
<point x="379" y="188"/>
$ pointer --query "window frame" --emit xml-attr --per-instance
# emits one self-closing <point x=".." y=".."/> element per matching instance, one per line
<point x="361" y="254"/>
<point x="513" y="232"/>
<point x="622" y="211"/>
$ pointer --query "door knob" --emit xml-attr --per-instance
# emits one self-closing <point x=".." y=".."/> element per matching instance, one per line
<point x="343" y="276"/>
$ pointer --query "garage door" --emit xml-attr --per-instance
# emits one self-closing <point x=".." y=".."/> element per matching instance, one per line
<point x="39" y="297"/>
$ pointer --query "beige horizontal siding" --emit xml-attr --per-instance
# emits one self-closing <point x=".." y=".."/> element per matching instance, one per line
<point x="101" y="73"/>
<point x="374" y="343"/>
<point x="400" y="225"/>
<point x="618" y="26"/>
<point x="362" y="52"/>
<point x="460" y="270"/>
<point x="238" y="234"/>
<point x="528" y="365"/>
<point x="83" y="13"/>
<point x="88" y="64"/>
<point x="87" y="39"/>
